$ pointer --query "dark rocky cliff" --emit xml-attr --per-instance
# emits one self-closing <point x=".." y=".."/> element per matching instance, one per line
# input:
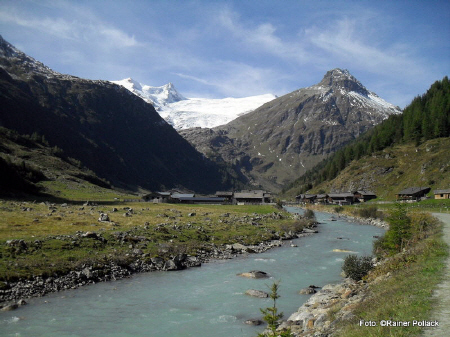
<point x="111" y="131"/>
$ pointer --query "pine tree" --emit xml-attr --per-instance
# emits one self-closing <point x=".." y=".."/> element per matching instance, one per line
<point x="272" y="317"/>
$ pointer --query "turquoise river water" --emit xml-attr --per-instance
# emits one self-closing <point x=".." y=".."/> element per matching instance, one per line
<point x="201" y="302"/>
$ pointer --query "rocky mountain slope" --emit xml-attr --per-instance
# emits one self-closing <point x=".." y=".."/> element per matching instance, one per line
<point x="283" y="138"/>
<point x="111" y="131"/>
<point x="184" y="113"/>
<point x="393" y="169"/>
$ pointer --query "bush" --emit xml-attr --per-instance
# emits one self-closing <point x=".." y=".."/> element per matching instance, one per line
<point x="309" y="214"/>
<point x="368" y="212"/>
<point x="357" y="267"/>
<point x="338" y="209"/>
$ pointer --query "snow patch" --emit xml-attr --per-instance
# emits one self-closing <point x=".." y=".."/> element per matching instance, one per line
<point x="184" y="113"/>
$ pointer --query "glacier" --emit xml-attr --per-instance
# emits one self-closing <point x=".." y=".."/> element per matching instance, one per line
<point x="183" y="113"/>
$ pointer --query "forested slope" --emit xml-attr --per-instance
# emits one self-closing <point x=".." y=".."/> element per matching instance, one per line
<point x="426" y="118"/>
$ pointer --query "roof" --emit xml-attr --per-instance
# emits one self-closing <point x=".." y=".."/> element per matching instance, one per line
<point x="202" y="199"/>
<point x="228" y="194"/>
<point x="441" y="191"/>
<point x="321" y="196"/>
<point x="306" y="196"/>
<point x="166" y="194"/>
<point x="341" y="195"/>
<point x="181" y="195"/>
<point x="414" y="190"/>
<point x="249" y="195"/>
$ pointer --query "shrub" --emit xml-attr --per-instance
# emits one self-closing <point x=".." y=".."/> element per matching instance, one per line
<point x="368" y="212"/>
<point x="357" y="267"/>
<point x="399" y="233"/>
<point x="309" y="214"/>
<point x="338" y="209"/>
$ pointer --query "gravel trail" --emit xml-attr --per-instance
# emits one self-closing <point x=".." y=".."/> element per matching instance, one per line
<point x="442" y="311"/>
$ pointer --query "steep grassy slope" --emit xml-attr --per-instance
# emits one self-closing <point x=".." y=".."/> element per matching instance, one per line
<point x="388" y="171"/>
<point x="29" y="167"/>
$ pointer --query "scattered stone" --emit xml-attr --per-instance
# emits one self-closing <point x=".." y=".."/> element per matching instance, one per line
<point x="253" y="321"/>
<point x="254" y="274"/>
<point x="10" y="307"/>
<point x="103" y="217"/>
<point x="307" y="291"/>
<point x="257" y="293"/>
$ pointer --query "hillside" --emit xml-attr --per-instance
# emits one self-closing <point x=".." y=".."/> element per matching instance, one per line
<point x="109" y="130"/>
<point x="395" y="168"/>
<point x="425" y="119"/>
<point x="290" y="134"/>
<point x="30" y="167"/>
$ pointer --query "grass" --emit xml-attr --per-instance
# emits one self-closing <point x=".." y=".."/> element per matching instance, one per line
<point x="389" y="171"/>
<point x="80" y="190"/>
<point x="52" y="233"/>
<point x="406" y="294"/>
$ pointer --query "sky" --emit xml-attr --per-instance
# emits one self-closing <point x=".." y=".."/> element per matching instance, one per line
<point x="217" y="49"/>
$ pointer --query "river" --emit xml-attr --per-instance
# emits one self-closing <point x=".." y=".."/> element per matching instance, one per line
<point x="201" y="302"/>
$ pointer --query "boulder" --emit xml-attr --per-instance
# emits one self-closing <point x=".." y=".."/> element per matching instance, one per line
<point x="253" y="321"/>
<point x="157" y="262"/>
<point x="103" y="217"/>
<point x="236" y="247"/>
<point x="307" y="291"/>
<point x="254" y="274"/>
<point x="170" y="265"/>
<point x="192" y="261"/>
<point x="10" y="307"/>
<point x="17" y="245"/>
<point x="257" y="293"/>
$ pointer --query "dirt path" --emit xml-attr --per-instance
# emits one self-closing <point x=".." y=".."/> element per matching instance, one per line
<point x="442" y="311"/>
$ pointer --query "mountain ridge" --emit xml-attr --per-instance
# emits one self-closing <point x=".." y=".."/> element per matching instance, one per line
<point x="288" y="135"/>
<point x="110" y="130"/>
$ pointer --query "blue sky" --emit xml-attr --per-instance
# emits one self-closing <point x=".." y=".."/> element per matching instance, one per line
<point x="238" y="48"/>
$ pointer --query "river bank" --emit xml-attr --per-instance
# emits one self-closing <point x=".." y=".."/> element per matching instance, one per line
<point x="333" y="302"/>
<point x="110" y="268"/>
<point x="389" y="300"/>
<point x="200" y="302"/>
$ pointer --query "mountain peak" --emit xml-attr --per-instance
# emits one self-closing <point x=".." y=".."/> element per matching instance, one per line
<point x="342" y="79"/>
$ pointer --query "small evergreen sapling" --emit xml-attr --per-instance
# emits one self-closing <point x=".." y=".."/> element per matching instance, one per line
<point x="272" y="317"/>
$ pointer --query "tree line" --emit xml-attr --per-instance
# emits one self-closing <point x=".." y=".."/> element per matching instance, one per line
<point x="426" y="117"/>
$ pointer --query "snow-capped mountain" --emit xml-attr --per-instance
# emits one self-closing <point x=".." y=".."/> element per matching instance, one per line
<point x="339" y="82"/>
<point x="184" y="113"/>
<point x="289" y="135"/>
<point x="157" y="96"/>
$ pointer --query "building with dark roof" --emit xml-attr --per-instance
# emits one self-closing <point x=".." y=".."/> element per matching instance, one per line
<point x="252" y="197"/>
<point x="363" y="196"/>
<point x="346" y="198"/>
<point x="412" y="193"/>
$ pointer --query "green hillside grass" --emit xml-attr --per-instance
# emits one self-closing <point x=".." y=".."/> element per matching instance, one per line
<point x="389" y="171"/>
<point x="31" y="168"/>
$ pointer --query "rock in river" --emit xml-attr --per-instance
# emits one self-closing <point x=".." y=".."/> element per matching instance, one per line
<point x="254" y="274"/>
<point x="257" y="293"/>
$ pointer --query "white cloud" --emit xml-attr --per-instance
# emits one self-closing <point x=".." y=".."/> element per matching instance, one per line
<point x="349" y="42"/>
<point x="83" y="28"/>
<point x="262" y="38"/>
